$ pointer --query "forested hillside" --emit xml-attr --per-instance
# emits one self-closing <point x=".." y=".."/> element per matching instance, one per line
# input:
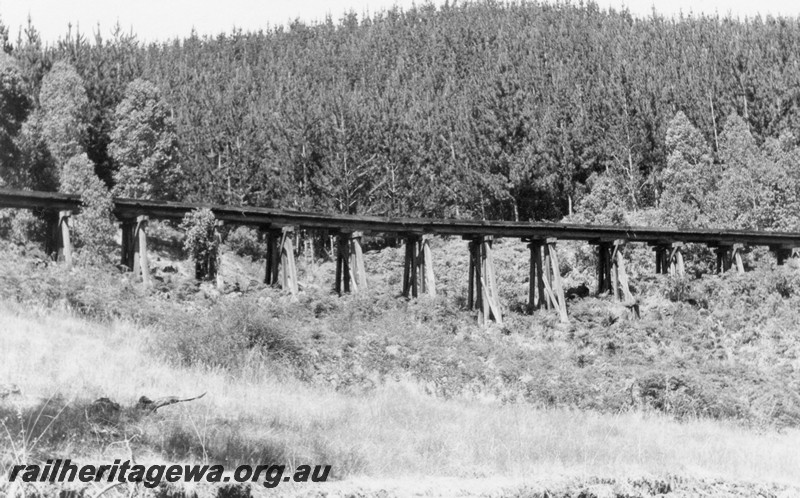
<point x="513" y="111"/>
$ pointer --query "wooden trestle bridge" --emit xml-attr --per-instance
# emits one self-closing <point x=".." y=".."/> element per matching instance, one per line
<point x="545" y="290"/>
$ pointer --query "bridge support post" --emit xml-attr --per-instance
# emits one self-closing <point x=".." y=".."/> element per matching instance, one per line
<point x="545" y="288"/>
<point x="52" y="241"/>
<point x="272" y="264"/>
<point x="128" y="228"/>
<point x="662" y="258"/>
<point x="782" y="253"/>
<point x="621" y="283"/>
<point x="724" y="257"/>
<point x="140" y="262"/>
<point x="358" y="275"/>
<point x="736" y="252"/>
<point x="288" y="268"/>
<point x="482" y="284"/>
<point x="343" y="272"/>
<point x="411" y="266"/>
<point x="58" y="244"/>
<point x="552" y="281"/>
<point x="427" y="280"/>
<point x="64" y="223"/>
<point x="611" y="275"/>
<point x="676" y="266"/>
<point x="669" y="258"/>
<point x="537" y="299"/>
<point x="280" y="268"/>
<point x="218" y="224"/>
<point x="605" y="267"/>
<point x="418" y="274"/>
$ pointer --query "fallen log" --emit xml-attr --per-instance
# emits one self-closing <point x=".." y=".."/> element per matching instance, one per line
<point x="146" y="403"/>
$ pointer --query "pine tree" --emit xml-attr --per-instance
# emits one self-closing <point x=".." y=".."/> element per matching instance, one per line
<point x="14" y="107"/>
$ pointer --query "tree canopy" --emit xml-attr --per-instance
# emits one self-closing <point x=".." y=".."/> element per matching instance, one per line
<point x="481" y="110"/>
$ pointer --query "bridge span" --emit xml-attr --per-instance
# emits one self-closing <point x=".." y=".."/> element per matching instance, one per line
<point x="546" y="289"/>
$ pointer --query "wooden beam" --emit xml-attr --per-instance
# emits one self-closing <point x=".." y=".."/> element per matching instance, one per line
<point x="66" y="243"/>
<point x="737" y="257"/>
<point x="413" y="244"/>
<point x="536" y="294"/>
<point x="622" y="274"/>
<point x="343" y="263"/>
<point x="427" y="277"/>
<point x="491" y="299"/>
<point x="127" y="250"/>
<point x="557" y="287"/>
<point x="52" y="241"/>
<point x="140" y="260"/>
<point x="217" y="270"/>
<point x="614" y="251"/>
<point x="662" y="264"/>
<point x="357" y="269"/>
<point x="724" y="256"/>
<point x="669" y="259"/>
<point x="411" y="269"/>
<point x="483" y="282"/>
<point x="604" y="267"/>
<point x="675" y="259"/>
<point x="273" y="238"/>
<point x="680" y="269"/>
<point x="472" y="271"/>
<point x="478" y="253"/>
<point x="130" y="208"/>
<point x="288" y="267"/>
<point x="547" y="277"/>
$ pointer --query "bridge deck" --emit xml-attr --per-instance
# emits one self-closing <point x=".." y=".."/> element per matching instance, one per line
<point x="131" y="208"/>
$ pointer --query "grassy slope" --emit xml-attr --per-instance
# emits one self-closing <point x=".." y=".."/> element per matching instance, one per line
<point x="347" y="381"/>
<point x="393" y="432"/>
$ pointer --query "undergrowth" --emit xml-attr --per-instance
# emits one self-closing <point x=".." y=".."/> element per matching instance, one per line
<point x="717" y="347"/>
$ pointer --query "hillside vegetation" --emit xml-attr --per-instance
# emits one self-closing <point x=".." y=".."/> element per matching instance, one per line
<point x="722" y="347"/>
<point x="385" y="389"/>
<point x="473" y="110"/>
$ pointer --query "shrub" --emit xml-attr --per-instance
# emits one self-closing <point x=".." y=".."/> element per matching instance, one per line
<point x="201" y="242"/>
<point x="24" y="226"/>
<point x="227" y="333"/>
<point x="93" y="228"/>
<point x="243" y="241"/>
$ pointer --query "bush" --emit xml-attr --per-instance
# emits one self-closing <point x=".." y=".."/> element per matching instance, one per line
<point x="23" y="226"/>
<point x="201" y="242"/>
<point x="243" y="241"/>
<point x="224" y="335"/>
<point x="92" y="227"/>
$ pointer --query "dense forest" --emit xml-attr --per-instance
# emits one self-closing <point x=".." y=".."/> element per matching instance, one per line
<point x="470" y="110"/>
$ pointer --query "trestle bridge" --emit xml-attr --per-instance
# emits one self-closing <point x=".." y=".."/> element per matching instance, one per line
<point x="546" y="289"/>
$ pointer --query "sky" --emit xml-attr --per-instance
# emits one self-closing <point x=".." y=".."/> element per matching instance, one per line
<point x="153" y="20"/>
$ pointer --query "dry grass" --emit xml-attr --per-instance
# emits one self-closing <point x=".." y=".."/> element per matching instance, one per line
<point x="392" y="432"/>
